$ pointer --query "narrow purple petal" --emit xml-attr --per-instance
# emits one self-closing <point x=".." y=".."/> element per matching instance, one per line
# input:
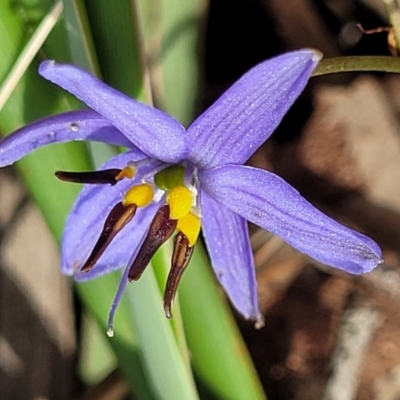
<point x="74" y="125"/>
<point x="154" y="132"/>
<point x="117" y="298"/>
<point x="268" y="201"/>
<point x="227" y="240"/>
<point x="121" y="288"/>
<point x="244" y="117"/>
<point x="87" y="217"/>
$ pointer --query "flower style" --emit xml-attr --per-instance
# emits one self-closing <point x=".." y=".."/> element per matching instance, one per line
<point x="173" y="179"/>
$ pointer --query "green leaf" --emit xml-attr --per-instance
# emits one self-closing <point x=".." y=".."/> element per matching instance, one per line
<point x="163" y="360"/>
<point x="171" y="34"/>
<point x="117" y="40"/>
<point x="219" y="356"/>
<point x="79" y="36"/>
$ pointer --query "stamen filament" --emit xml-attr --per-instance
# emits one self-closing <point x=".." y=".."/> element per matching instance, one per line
<point x="198" y="196"/>
<point x="150" y="175"/>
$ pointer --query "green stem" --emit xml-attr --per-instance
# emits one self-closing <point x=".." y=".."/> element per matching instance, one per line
<point x="356" y="64"/>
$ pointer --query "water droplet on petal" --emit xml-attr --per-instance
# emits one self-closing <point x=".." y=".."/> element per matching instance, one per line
<point x="74" y="127"/>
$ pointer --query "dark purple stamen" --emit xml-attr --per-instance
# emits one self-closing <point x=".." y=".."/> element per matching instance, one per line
<point x="160" y="231"/>
<point x="90" y="177"/>
<point x="115" y="222"/>
<point x="180" y="260"/>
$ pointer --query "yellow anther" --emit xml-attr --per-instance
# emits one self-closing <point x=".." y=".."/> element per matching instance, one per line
<point x="141" y="195"/>
<point x="128" y="172"/>
<point x="180" y="201"/>
<point x="190" y="226"/>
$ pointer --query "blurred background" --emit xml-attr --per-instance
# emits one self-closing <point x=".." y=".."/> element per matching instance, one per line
<point x="327" y="335"/>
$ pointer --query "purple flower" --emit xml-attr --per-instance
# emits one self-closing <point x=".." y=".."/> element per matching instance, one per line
<point x="173" y="179"/>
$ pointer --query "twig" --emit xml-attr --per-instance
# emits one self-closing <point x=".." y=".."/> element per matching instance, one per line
<point x="29" y="52"/>
<point x="355" y="334"/>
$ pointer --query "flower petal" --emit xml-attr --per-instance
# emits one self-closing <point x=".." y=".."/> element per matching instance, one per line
<point x="244" y="117"/>
<point x="154" y="132"/>
<point x="87" y="217"/>
<point x="227" y="239"/>
<point x="268" y="201"/>
<point x="74" y="125"/>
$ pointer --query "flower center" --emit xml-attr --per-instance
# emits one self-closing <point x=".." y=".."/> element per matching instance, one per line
<point x="179" y="211"/>
<point x="181" y="198"/>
